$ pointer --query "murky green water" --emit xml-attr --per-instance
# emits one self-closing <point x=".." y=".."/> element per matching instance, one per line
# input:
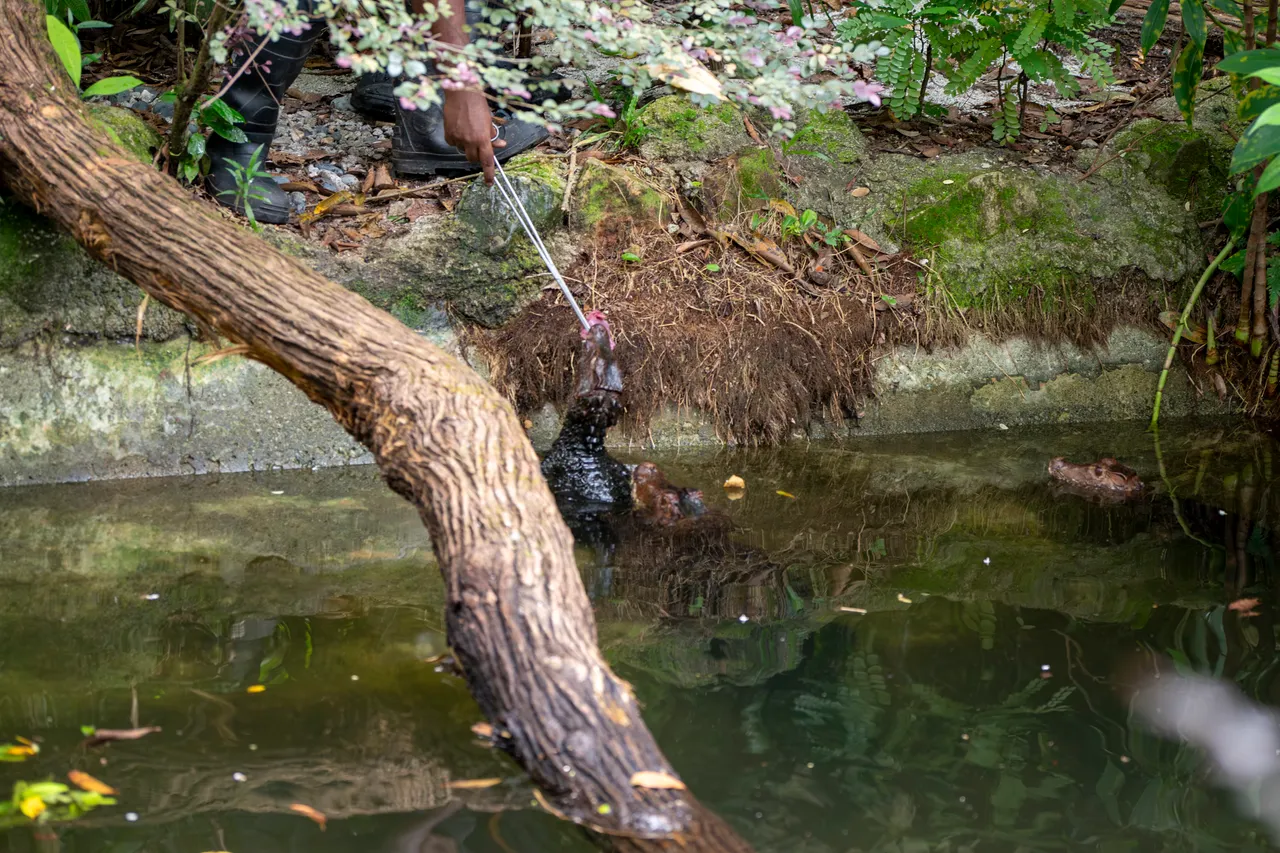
<point x="970" y="707"/>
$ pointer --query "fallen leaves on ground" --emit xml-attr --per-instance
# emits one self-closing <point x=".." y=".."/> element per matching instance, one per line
<point x="656" y="779"/>
<point x="306" y="811"/>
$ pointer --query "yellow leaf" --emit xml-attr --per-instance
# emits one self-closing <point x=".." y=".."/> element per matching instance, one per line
<point x="314" y="814"/>
<point x="482" y="730"/>
<point x="256" y="688"/>
<point x="344" y="197"/>
<point x="86" y="782"/>
<point x="735" y="482"/>
<point x="786" y="494"/>
<point x="782" y="207"/>
<point x="32" y="807"/>
<point x="474" y="784"/>
<point x="22" y="750"/>
<point x="656" y="779"/>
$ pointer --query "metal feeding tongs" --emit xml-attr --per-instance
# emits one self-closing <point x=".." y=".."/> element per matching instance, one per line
<point x="517" y="208"/>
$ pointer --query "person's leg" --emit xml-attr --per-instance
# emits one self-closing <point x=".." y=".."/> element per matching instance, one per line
<point x="256" y="95"/>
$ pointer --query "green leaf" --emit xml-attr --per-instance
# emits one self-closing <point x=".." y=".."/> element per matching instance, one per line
<point x="1257" y="101"/>
<point x="66" y="45"/>
<point x="1153" y="23"/>
<point x="92" y="25"/>
<point x="1234" y="264"/>
<point x="1267" y="75"/>
<point x="1270" y="178"/>
<point x="112" y="86"/>
<point x="1186" y="77"/>
<point x="220" y="109"/>
<point x="1193" y="21"/>
<point x="1231" y="7"/>
<point x="797" y="11"/>
<point x="1237" y="211"/>
<point x="89" y="59"/>
<point x="630" y="256"/>
<point x="190" y="169"/>
<point x="196" y="146"/>
<point x="1064" y="12"/>
<point x="1271" y="115"/>
<point x="80" y="9"/>
<point x="712" y="268"/>
<point x="1248" y="61"/>
<point x="1259" y="144"/>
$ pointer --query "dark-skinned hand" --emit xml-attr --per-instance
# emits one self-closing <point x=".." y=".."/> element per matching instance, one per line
<point x="468" y="126"/>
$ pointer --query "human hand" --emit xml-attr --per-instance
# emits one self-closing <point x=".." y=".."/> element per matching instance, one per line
<point x="468" y="126"/>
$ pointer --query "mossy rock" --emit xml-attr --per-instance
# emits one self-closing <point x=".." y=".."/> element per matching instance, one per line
<point x="47" y="282"/>
<point x="127" y="129"/>
<point x="614" y="197"/>
<point x="831" y="136"/>
<point x="997" y="236"/>
<point x="1191" y="164"/>
<point x="679" y="132"/>
<point x="1215" y="109"/>
<point x="477" y="264"/>
<point x="746" y="181"/>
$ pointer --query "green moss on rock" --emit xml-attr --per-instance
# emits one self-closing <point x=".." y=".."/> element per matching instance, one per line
<point x="127" y="129"/>
<point x="606" y="194"/>
<point x="1191" y="164"/>
<point x="997" y="235"/>
<point x="681" y="132"/>
<point x="48" y="282"/>
<point x="832" y="135"/>
<point x="744" y="182"/>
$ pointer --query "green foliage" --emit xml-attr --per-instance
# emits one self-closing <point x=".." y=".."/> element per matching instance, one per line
<point x="245" y="192"/>
<point x="964" y="38"/>
<point x="211" y="114"/>
<point x="43" y="802"/>
<point x="67" y="45"/>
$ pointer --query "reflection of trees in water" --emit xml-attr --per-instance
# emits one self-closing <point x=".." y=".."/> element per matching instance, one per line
<point x="1008" y="760"/>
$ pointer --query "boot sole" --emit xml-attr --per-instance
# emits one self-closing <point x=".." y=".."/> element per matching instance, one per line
<point x="412" y="164"/>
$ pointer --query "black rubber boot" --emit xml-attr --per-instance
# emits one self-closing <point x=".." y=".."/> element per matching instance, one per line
<point x="257" y="95"/>
<point x="418" y="148"/>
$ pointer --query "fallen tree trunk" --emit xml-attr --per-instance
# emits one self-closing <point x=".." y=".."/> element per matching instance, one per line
<point x="517" y="615"/>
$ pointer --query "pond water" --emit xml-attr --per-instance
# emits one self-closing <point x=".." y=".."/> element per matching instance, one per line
<point x="913" y="649"/>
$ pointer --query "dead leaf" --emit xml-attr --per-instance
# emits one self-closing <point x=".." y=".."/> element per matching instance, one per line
<point x="300" y="187"/>
<point x="928" y="150"/>
<point x="735" y="482"/>
<point x="690" y="245"/>
<point x="863" y="240"/>
<point x="764" y="250"/>
<point x="382" y="179"/>
<point x="854" y="609"/>
<point x="786" y="494"/>
<point x="307" y="811"/>
<point x="366" y="186"/>
<point x="106" y="735"/>
<point x="782" y="206"/>
<point x="751" y="131"/>
<point x="1195" y="334"/>
<point x="475" y="784"/>
<point x="860" y="192"/>
<point x="656" y="779"/>
<point x="482" y="730"/>
<point x="909" y="134"/>
<point x="861" y="261"/>
<point x="904" y="599"/>
<point x="142" y="313"/>
<point x="344" y="197"/>
<point x="685" y="72"/>
<point x="86" y="782"/>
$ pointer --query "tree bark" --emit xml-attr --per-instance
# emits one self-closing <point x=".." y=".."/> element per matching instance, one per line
<point x="517" y="615"/>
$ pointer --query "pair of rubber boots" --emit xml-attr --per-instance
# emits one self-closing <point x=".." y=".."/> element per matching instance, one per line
<point x="418" y="148"/>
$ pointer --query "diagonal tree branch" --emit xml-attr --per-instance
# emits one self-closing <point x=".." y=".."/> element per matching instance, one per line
<point x="517" y="614"/>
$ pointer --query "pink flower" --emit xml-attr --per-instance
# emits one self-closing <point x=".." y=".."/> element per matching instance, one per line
<point x="741" y="21"/>
<point x="591" y="37"/>
<point x="343" y="61"/>
<point x="407" y="104"/>
<point x="864" y="91"/>
<point x="780" y="113"/>
<point x="518" y="92"/>
<point x="753" y="57"/>
<point x="601" y="110"/>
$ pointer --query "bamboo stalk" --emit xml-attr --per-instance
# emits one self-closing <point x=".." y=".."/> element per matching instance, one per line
<point x="1182" y="324"/>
